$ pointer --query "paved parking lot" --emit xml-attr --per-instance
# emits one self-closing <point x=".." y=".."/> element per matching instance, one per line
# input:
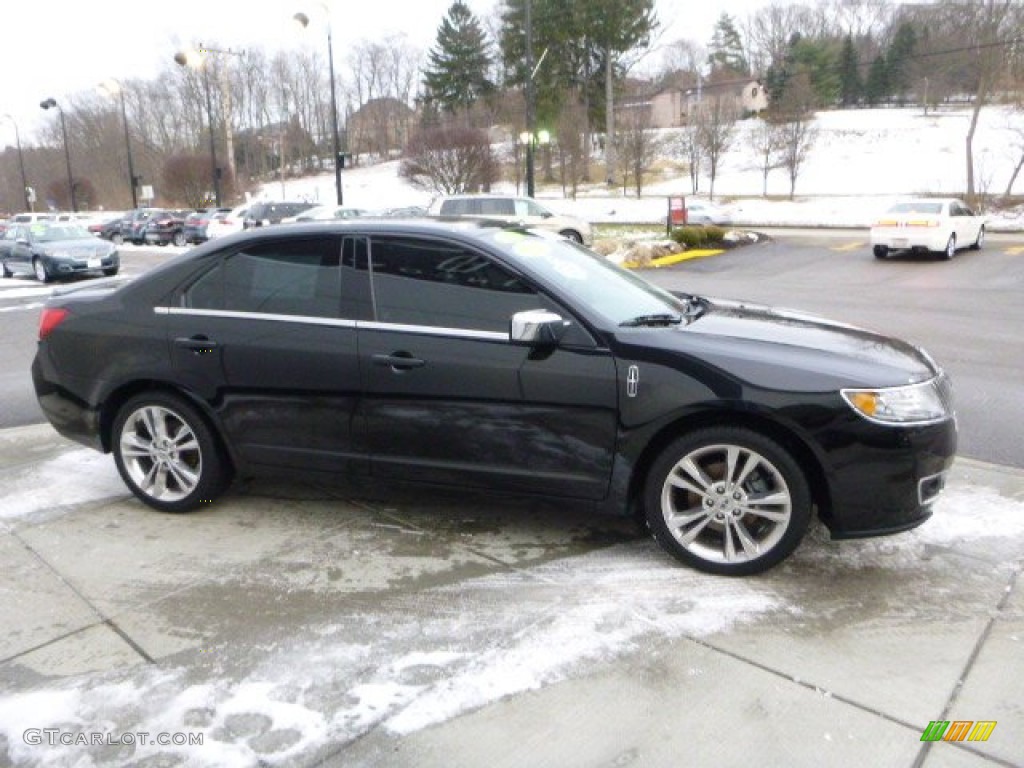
<point x="345" y="626"/>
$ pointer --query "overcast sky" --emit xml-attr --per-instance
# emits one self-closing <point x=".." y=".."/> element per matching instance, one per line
<point x="56" y="48"/>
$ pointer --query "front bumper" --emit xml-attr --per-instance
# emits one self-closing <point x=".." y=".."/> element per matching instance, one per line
<point x="885" y="479"/>
<point x="72" y="266"/>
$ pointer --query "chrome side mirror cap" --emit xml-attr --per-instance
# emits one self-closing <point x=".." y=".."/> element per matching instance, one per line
<point x="537" y="327"/>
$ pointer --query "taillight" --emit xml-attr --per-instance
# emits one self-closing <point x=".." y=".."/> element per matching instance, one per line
<point x="50" y="319"/>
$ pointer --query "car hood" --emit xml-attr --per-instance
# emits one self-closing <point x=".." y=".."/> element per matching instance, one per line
<point x="78" y="249"/>
<point x="787" y="349"/>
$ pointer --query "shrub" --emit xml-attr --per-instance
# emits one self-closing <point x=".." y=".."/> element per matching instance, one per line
<point x="690" y="237"/>
<point x="714" y="234"/>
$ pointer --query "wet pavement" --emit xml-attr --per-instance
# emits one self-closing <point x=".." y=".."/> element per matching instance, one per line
<point x="347" y="626"/>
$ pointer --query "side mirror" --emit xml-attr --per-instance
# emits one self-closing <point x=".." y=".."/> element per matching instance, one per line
<point x="537" y="328"/>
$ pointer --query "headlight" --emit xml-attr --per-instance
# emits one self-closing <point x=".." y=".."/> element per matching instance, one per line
<point x="923" y="403"/>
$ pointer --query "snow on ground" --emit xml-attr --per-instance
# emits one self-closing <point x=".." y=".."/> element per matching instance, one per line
<point x="861" y="162"/>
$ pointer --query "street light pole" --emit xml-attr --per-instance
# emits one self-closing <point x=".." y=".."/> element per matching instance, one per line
<point x="184" y="59"/>
<point x="21" y="162"/>
<point x="530" y="106"/>
<point x="47" y="104"/>
<point x="112" y="87"/>
<point x="303" y="21"/>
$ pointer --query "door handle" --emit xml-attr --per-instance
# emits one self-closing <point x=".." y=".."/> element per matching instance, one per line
<point x="199" y="345"/>
<point x="398" y="361"/>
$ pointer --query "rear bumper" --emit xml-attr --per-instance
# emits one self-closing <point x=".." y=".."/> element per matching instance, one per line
<point x="70" y="416"/>
<point x="901" y="238"/>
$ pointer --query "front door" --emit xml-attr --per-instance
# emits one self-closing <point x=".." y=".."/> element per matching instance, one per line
<point x="448" y="399"/>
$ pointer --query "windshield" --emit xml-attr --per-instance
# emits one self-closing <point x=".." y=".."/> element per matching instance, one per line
<point x="63" y="232"/>
<point x="590" y="280"/>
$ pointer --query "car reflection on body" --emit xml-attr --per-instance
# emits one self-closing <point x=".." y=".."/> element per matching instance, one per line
<point x="468" y="354"/>
<point x="49" y="250"/>
<point x="935" y="225"/>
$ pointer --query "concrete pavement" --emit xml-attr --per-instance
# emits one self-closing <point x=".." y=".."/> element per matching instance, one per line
<point x="358" y="626"/>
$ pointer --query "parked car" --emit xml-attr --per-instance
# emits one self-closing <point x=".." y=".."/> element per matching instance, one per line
<point x="133" y="225"/>
<point x="935" y="225"/>
<point x="166" y="227"/>
<point x="704" y="213"/>
<point x="197" y="222"/>
<point x="49" y="250"/>
<point x="326" y="213"/>
<point x="264" y="213"/>
<point x="231" y="222"/>
<point x="524" y="211"/>
<point x="29" y="218"/>
<point x="109" y="229"/>
<point x="502" y="360"/>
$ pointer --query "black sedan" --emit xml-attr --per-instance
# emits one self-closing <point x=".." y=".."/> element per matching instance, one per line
<point x="49" y="251"/>
<point x="503" y="360"/>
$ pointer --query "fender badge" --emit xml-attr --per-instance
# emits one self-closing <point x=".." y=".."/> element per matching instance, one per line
<point x="632" y="380"/>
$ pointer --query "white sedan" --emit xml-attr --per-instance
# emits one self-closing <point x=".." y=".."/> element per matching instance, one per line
<point x="941" y="225"/>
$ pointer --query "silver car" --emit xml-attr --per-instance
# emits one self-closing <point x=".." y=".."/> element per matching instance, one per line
<point x="524" y="211"/>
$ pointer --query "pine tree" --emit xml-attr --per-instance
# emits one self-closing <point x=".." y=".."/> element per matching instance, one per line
<point x="876" y="88"/>
<point x="456" y="75"/>
<point x="898" y="60"/>
<point x="850" y="85"/>
<point x="726" y="47"/>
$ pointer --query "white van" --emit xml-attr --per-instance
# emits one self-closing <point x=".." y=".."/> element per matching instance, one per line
<point x="524" y="211"/>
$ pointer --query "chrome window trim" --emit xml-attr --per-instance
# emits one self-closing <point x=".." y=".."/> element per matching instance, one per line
<point x="370" y="325"/>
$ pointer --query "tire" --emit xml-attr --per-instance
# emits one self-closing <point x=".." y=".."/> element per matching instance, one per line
<point x="110" y="271"/>
<point x="981" y="239"/>
<point x="6" y="272"/>
<point x="881" y="251"/>
<point x="950" y="251"/>
<point x="117" y="239"/>
<point x="716" y="524"/>
<point x="572" y="234"/>
<point x="178" y="239"/>
<point x="166" y="453"/>
<point x="40" y="271"/>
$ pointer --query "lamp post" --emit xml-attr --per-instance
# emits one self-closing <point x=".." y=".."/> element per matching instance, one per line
<point x="47" y="104"/>
<point x="113" y="88"/>
<point x="196" y="60"/>
<point x="21" y="163"/>
<point x="303" y="20"/>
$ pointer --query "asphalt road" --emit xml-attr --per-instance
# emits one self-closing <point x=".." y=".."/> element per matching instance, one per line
<point x="967" y="313"/>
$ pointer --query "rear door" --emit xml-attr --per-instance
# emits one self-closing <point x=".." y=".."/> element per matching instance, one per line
<point x="263" y="337"/>
<point x="448" y="399"/>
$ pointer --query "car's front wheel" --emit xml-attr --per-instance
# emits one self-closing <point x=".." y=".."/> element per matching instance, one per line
<point x="6" y="271"/>
<point x="980" y="241"/>
<point x="572" y="234"/>
<point x="40" y="271"/>
<point x="167" y="454"/>
<point x="178" y="239"/>
<point x="727" y="500"/>
<point x="117" y="239"/>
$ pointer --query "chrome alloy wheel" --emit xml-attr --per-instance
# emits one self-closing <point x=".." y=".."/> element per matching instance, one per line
<point x="161" y="453"/>
<point x="726" y="504"/>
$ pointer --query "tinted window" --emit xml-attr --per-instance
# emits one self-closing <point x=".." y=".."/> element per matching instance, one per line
<point x="294" y="277"/>
<point x="455" y="207"/>
<point x="496" y="207"/>
<point x="443" y="285"/>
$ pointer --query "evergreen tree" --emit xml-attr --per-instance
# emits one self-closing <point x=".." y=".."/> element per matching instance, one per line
<point x="850" y="85"/>
<point x="898" y="60"/>
<point x="456" y="75"/>
<point x="876" y="88"/>
<point x="726" y="47"/>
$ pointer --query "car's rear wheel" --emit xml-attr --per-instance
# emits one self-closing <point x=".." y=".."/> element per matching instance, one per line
<point x="40" y="271"/>
<point x="6" y="271"/>
<point x="116" y="239"/>
<point x="572" y="234"/>
<point x="727" y="500"/>
<point x="950" y="251"/>
<point x="110" y="271"/>
<point x="881" y="251"/>
<point x="167" y="454"/>
<point x="980" y="241"/>
<point x="178" y="239"/>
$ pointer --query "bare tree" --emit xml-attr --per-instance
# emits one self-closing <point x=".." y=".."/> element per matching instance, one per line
<point x="686" y="147"/>
<point x="449" y="159"/>
<point x="767" y="140"/>
<point x="714" y="125"/>
<point x="572" y="138"/>
<point x="638" y="146"/>
<point x="797" y="130"/>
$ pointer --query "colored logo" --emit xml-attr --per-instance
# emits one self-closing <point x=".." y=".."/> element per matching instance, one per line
<point x="958" y="730"/>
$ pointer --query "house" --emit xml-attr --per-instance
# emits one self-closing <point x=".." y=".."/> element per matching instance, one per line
<point x="380" y="127"/>
<point x="674" y="106"/>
